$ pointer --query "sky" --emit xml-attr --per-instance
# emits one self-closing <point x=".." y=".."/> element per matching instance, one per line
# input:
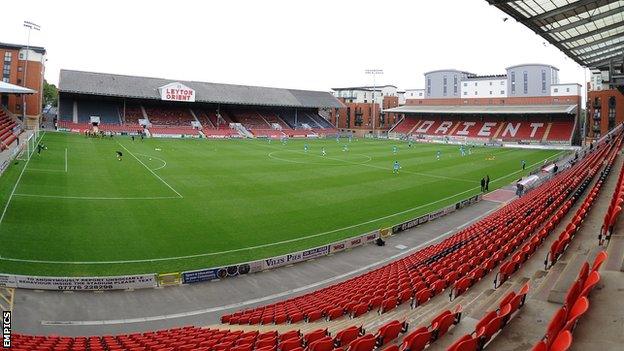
<point x="301" y="44"/>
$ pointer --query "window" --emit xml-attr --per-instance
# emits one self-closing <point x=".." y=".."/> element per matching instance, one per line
<point x="465" y="93"/>
<point x="502" y="92"/>
<point x="611" y="115"/>
<point x="428" y="86"/>
<point x="513" y="82"/>
<point x="476" y="84"/>
<point x="543" y="81"/>
<point x="5" y="79"/>
<point x="476" y="93"/>
<point x="567" y="90"/>
<point x="444" y="85"/>
<point x="526" y="82"/>
<point x="454" y="85"/>
<point x="490" y="83"/>
<point x="556" y="90"/>
<point x="465" y="84"/>
<point x="490" y="92"/>
<point x="19" y="68"/>
<point x="419" y="94"/>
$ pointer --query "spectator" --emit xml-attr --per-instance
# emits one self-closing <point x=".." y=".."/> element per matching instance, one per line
<point x="487" y="182"/>
<point x="482" y="184"/>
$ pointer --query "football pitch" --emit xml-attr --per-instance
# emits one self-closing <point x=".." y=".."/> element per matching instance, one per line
<point x="173" y="205"/>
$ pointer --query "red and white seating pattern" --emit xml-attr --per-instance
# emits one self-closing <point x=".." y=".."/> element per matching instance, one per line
<point x="133" y="114"/>
<point x="7" y="137"/>
<point x="173" y="130"/>
<point x="115" y="128"/>
<point x="507" y="131"/>
<point x="458" y="262"/>
<point x="250" y="120"/>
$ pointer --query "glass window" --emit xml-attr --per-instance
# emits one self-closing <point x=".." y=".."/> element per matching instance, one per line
<point x="5" y="79"/>
<point x="465" y="93"/>
<point x="502" y="92"/>
<point x="543" y="81"/>
<point x="428" y="86"/>
<point x="513" y="82"/>
<point x="490" y="92"/>
<point x="526" y="82"/>
<point x="465" y="84"/>
<point x="444" y="82"/>
<point x="455" y="85"/>
<point x="556" y="90"/>
<point x="476" y="93"/>
<point x="567" y="90"/>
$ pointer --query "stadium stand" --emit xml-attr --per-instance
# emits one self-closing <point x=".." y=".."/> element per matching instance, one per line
<point x="7" y="136"/>
<point x="613" y="212"/>
<point x="558" y="336"/>
<point x="492" y="322"/>
<point x="458" y="262"/>
<point x="249" y="119"/>
<point x="531" y="130"/>
<point x="132" y="114"/>
<point x="106" y="110"/>
<point x="169" y="116"/>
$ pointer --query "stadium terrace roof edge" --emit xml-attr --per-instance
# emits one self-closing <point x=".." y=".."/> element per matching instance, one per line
<point x="137" y="87"/>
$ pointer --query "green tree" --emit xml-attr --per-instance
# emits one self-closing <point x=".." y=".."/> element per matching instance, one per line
<point x="50" y="94"/>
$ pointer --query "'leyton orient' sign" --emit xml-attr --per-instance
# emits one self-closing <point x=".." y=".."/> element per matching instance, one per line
<point x="177" y="92"/>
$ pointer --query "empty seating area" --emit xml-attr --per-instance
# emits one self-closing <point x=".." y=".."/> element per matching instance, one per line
<point x="615" y="208"/>
<point x="405" y="125"/>
<point x="456" y="263"/>
<point x="132" y="114"/>
<point x="492" y="322"/>
<point x="169" y="116"/>
<point x="7" y="135"/>
<point x="560" y="131"/>
<point x="107" y="111"/>
<point x="531" y="130"/>
<point x="558" y="335"/>
<point x="249" y="119"/>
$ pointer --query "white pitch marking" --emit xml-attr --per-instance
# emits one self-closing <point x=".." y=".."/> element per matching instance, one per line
<point x="151" y="171"/>
<point x="17" y="182"/>
<point x="260" y="299"/>
<point x="158" y="158"/>
<point x="97" y="197"/>
<point x="268" y="244"/>
<point x="65" y="160"/>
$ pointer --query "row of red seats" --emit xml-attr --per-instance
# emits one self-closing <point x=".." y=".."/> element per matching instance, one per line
<point x="169" y="116"/>
<point x="132" y="114"/>
<point x="7" y="137"/>
<point x="192" y="338"/>
<point x="424" y="336"/>
<point x="492" y="323"/>
<point x="588" y="167"/>
<point x="559" y="246"/>
<point x="421" y="275"/>
<point x="406" y="125"/>
<point x="116" y="128"/>
<point x="272" y="117"/>
<point x="558" y="335"/>
<point x="614" y="210"/>
<point x="250" y="119"/>
<point x="507" y="131"/>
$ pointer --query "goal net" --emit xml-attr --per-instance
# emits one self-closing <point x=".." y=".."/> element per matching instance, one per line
<point x="28" y="148"/>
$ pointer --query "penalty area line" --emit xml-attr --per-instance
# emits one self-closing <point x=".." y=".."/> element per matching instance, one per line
<point x="152" y="172"/>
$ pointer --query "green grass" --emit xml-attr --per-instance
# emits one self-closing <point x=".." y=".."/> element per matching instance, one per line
<point x="236" y="194"/>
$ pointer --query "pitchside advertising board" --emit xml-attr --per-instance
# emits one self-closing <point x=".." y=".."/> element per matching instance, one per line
<point x="204" y="275"/>
<point x="177" y="92"/>
<point x="82" y="283"/>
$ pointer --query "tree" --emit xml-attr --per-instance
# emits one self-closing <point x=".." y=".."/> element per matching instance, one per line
<point x="50" y="94"/>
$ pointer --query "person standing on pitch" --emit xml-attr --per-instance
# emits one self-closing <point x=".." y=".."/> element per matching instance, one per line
<point x="396" y="167"/>
<point x="487" y="182"/>
<point x="482" y="184"/>
<point x="523" y="165"/>
<point x="395" y="149"/>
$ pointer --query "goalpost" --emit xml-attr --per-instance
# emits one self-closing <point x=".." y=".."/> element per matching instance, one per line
<point x="27" y="148"/>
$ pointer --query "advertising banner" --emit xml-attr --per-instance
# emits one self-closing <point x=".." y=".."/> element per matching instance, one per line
<point x="295" y="257"/>
<point x="83" y="283"/>
<point x="204" y="275"/>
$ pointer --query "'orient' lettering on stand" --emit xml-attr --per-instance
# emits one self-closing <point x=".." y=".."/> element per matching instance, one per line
<point x="178" y="94"/>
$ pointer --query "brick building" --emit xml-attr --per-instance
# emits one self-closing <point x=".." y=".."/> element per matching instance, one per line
<point x="364" y="109"/>
<point x="18" y="62"/>
<point x="605" y="109"/>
